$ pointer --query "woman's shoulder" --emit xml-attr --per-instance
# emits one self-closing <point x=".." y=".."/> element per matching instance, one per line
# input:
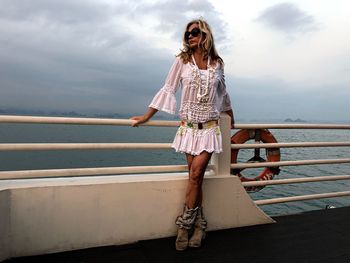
<point x="183" y="58"/>
<point x="179" y="62"/>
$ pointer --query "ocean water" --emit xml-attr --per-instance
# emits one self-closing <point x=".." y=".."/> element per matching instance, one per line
<point x="45" y="133"/>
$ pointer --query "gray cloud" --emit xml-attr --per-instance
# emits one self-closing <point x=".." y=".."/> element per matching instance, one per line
<point x="65" y="12"/>
<point x="288" y="18"/>
<point x="80" y="55"/>
<point x="185" y="11"/>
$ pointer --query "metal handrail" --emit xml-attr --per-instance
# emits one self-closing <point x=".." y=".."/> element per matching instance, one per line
<point x="80" y="121"/>
<point x="80" y="146"/>
<point x="124" y="122"/>
<point x="289" y="163"/>
<point x="300" y="198"/>
<point x="101" y="146"/>
<point x="289" y="145"/>
<point x="297" y="180"/>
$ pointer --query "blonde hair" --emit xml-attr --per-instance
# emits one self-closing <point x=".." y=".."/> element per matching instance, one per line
<point x="207" y="45"/>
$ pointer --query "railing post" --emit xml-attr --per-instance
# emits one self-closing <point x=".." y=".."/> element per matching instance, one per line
<point x="222" y="160"/>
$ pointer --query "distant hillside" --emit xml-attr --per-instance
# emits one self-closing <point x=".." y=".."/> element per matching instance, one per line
<point x="295" y="120"/>
<point x="23" y="112"/>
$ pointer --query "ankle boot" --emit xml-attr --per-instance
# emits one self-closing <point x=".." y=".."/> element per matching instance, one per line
<point x="182" y="239"/>
<point x="185" y="222"/>
<point x="199" y="230"/>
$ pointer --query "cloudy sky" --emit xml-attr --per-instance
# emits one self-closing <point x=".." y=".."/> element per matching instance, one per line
<point x="282" y="58"/>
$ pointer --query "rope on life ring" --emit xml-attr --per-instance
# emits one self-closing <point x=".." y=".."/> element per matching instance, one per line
<point x="273" y="155"/>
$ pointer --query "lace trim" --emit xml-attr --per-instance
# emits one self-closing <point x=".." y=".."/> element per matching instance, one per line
<point x="198" y="112"/>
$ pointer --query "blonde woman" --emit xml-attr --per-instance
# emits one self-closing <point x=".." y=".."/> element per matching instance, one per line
<point x="199" y="71"/>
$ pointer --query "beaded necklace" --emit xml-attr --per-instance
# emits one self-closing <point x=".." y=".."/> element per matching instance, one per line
<point x="197" y="81"/>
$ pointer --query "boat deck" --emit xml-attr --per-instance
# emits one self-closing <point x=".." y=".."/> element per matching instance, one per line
<point x="317" y="236"/>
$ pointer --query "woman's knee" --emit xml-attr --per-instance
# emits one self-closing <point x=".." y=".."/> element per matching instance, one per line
<point x="196" y="175"/>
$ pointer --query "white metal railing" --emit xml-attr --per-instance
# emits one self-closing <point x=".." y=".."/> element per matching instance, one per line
<point x="220" y="164"/>
<point x="301" y="198"/>
<point x="297" y="180"/>
<point x="80" y="146"/>
<point x="289" y="163"/>
<point x="80" y="121"/>
<point x="124" y="122"/>
<point x="123" y="146"/>
<point x="289" y="145"/>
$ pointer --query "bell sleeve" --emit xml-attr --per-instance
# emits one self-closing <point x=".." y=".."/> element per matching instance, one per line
<point x="223" y="98"/>
<point x="165" y="99"/>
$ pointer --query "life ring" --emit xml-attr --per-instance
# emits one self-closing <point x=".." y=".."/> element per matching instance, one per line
<point x="273" y="155"/>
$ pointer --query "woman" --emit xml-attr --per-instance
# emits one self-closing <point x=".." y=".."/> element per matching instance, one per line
<point x="199" y="70"/>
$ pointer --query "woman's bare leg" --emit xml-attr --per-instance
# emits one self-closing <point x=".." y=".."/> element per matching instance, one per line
<point x="197" y="166"/>
<point x="189" y="158"/>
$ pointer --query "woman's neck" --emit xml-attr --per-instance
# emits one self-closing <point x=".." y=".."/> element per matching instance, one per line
<point x="200" y="61"/>
<point x="198" y="54"/>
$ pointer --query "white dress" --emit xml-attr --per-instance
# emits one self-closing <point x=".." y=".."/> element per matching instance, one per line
<point x="190" y="140"/>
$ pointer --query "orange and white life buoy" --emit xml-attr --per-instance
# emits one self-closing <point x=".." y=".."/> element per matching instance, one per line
<point x="273" y="155"/>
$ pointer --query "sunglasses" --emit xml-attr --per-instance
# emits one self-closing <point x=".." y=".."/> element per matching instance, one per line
<point x="195" y="32"/>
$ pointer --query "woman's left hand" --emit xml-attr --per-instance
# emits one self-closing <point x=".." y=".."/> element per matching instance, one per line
<point x="232" y="125"/>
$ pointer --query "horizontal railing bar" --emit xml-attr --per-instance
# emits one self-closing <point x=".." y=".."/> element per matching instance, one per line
<point x="289" y="145"/>
<point x="289" y="163"/>
<point x="91" y="146"/>
<point x="127" y="122"/>
<point x="80" y="121"/>
<point x="300" y="198"/>
<point x="297" y="180"/>
<point x="93" y="171"/>
<point x="80" y="146"/>
<point x="292" y="126"/>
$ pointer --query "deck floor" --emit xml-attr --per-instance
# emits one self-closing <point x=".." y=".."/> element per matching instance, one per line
<point x="317" y="236"/>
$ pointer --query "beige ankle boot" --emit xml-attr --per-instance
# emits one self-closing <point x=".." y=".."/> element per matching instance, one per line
<point x="197" y="237"/>
<point x="182" y="239"/>
<point x="185" y="222"/>
<point x="199" y="230"/>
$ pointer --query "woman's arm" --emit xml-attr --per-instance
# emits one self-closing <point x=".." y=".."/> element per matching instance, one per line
<point x="165" y="99"/>
<point x="137" y="120"/>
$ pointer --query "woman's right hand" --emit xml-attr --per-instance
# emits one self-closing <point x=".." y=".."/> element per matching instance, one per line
<point x="137" y="120"/>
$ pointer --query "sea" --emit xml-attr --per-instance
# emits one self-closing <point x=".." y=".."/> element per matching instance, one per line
<point x="59" y="133"/>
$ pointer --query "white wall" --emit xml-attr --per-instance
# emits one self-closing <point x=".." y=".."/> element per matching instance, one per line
<point x="65" y="214"/>
<point x="4" y="224"/>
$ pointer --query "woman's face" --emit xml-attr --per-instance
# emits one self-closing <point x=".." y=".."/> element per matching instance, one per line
<point x="194" y="36"/>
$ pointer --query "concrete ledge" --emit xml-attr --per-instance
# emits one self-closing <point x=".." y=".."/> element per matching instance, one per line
<point x="53" y="215"/>
<point x="5" y="239"/>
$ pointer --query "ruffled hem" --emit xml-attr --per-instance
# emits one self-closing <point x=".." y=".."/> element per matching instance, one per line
<point x="165" y="101"/>
<point x="193" y="141"/>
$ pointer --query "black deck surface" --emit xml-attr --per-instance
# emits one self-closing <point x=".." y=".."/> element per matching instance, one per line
<point x="317" y="236"/>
